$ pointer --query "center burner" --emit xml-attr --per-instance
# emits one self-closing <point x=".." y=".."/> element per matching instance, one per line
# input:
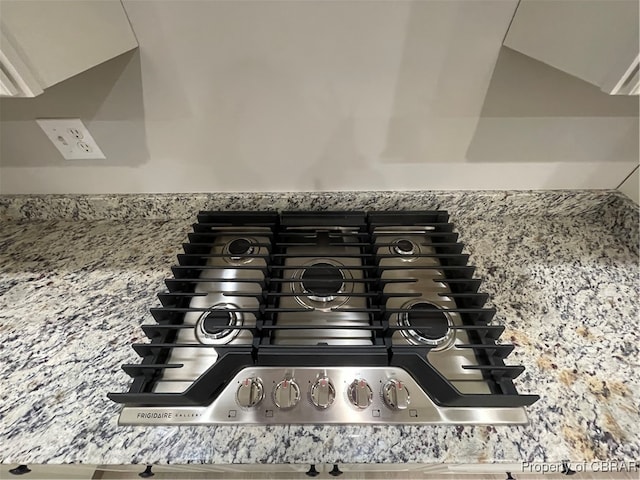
<point x="322" y="299"/>
<point x="322" y="282"/>
<point x="431" y="326"/>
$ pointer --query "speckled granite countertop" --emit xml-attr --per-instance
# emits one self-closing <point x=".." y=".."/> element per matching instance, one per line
<point x="78" y="275"/>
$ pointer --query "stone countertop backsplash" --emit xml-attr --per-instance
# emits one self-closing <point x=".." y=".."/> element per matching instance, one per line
<point x="78" y="275"/>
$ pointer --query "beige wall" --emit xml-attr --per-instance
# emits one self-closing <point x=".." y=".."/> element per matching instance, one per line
<point x="631" y="186"/>
<point x="254" y="96"/>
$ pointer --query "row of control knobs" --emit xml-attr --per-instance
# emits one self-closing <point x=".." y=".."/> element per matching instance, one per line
<point x="286" y="394"/>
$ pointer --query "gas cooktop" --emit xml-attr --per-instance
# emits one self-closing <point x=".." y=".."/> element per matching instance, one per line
<point x="323" y="317"/>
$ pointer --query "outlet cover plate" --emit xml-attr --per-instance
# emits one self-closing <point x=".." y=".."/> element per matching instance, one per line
<point x="71" y="138"/>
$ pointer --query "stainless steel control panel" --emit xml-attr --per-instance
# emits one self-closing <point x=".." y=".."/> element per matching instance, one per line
<point x="334" y="395"/>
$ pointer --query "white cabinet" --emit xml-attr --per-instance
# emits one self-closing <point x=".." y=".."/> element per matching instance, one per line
<point x="595" y="40"/>
<point x="43" y="42"/>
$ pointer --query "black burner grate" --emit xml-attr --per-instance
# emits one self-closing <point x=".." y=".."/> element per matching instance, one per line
<point x="290" y="229"/>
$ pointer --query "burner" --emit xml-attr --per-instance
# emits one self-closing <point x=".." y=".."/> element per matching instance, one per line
<point x="430" y="325"/>
<point x="212" y="324"/>
<point x="432" y="321"/>
<point x="240" y="247"/>
<point x="322" y="282"/>
<point x="404" y="247"/>
<point x="216" y="321"/>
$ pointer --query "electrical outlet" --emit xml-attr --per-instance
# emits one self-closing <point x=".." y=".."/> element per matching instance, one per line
<point x="71" y="138"/>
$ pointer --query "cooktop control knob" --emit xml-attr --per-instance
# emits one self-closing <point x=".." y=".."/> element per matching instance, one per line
<point x="360" y="393"/>
<point x="250" y="392"/>
<point x="323" y="393"/>
<point x="286" y="394"/>
<point x="395" y="395"/>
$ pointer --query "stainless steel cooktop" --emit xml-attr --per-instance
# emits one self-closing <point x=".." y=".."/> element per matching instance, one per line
<point x="333" y="317"/>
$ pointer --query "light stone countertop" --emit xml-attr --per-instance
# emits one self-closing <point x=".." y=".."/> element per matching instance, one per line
<point x="79" y="274"/>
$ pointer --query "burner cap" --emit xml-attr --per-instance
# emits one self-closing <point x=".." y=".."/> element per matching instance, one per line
<point x="405" y="248"/>
<point x="240" y="246"/>
<point x="322" y="280"/>
<point x="214" y="325"/>
<point x="429" y="321"/>
<point x="404" y="245"/>
<point x="216" y="321"/>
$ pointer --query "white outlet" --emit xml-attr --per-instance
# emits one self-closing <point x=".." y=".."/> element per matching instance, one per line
<point x="71" y="138"/>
